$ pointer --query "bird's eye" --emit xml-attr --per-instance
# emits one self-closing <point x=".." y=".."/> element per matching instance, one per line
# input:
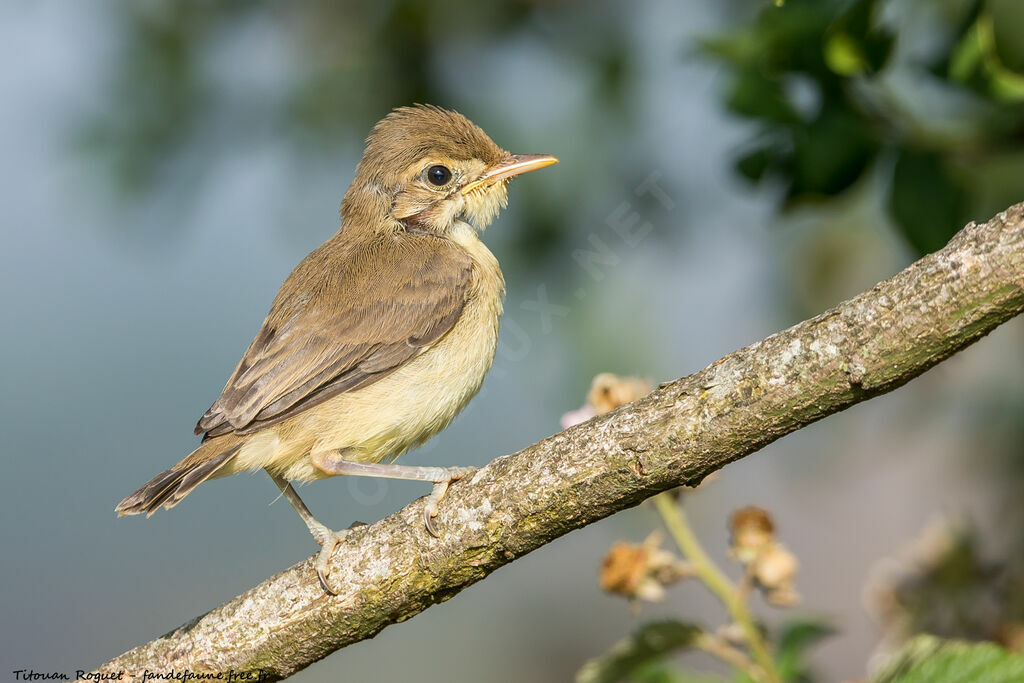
<point x="439" y="175"/>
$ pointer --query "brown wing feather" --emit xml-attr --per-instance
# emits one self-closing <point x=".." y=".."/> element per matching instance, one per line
<point x="350" y="314"/>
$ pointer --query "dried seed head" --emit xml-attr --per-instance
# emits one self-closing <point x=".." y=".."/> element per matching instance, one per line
<point x="641" y="572"/>
<point x="752" y="530"/>
<point x="608" y="391"/>
<point x="770" y="566"/>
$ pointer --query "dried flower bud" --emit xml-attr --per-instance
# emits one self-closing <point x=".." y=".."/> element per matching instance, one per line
<point x="776" y="566"/>
<point x="769" y="564"/>
<point x="775" y="571"/>
<point x="623" y="568"/>
<point x="752" y="530"/>
<point x="641" y="571"/>
<point x="782" y="597"/>
<point x="608" y="391"/>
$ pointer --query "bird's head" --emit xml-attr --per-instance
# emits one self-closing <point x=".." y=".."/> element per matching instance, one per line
<point x="426" y="168"/>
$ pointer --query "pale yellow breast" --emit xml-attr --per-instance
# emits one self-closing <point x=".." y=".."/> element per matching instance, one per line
<point x="404" y="409"/>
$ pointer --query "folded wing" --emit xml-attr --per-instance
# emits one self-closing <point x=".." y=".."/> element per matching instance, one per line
<point x="347" y="316"/>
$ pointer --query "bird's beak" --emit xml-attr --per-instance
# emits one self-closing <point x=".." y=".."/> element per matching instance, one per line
<point x="509" y="167"/>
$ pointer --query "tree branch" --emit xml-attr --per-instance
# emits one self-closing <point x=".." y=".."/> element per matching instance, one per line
<point x="677" y="435"/>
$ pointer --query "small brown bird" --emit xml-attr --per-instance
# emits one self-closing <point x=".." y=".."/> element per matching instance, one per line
<point x="379" y="337"/>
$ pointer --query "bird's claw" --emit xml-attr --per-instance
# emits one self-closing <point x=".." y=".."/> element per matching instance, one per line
<point x="328" y="541"/>
<point x="430" y="509"/>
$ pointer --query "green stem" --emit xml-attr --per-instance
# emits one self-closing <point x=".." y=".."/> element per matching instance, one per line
<point x="719" y="584"/>
<point x="720" y="648"/>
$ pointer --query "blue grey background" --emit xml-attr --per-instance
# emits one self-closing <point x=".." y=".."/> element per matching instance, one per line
<point x="124" y="316"/>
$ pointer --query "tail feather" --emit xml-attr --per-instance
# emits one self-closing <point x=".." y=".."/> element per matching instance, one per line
<point x="198" y="475"/>
<point x="152" y="494"/>
<point x="168" y="488"/>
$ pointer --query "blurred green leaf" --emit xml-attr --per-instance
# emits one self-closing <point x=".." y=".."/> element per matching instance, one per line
<point x="977" y="60"/>
<point x="927" y="659"/>
<point x="861" y="39"/>
<point x="795" y="38"/>
<point x="755" y="164"/>
<point x="1005" y="84"/>
<point x="794" y="640"/>
<point x="844" y="56"/>
<point x="646" y="646"/>
<point x="739" y="48"/>
<point x="1008" y="29"/>
<point x="960" y="16"/>
<point x="663" y="673"/>
<point x="781" y="40"/>
<point x="997" y="180"/>
<point x="966" y="57"/>
<point x="822" y="148"/>
<point x="927" y="203"/>
<point x="831" y="152"/>
<point x="816" y="76"/>
<point x="755" y="95"/>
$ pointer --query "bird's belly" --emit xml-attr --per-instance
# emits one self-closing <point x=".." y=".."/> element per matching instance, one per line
<point x="390" y="416"/>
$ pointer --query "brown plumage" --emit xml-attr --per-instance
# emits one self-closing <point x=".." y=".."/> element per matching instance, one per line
<point x="321" y="338"/>
<point x="382" y="334"/>
<point x="170" y="486"/>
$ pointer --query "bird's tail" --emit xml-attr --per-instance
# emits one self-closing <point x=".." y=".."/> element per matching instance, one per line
<point x="168" y="488"/>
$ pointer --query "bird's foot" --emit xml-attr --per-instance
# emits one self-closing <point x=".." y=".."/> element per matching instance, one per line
<point x="440" y="489"/>
<point x="328" y="540"/>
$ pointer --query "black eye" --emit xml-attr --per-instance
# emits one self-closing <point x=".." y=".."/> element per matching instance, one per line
<point x="439" y="175"/>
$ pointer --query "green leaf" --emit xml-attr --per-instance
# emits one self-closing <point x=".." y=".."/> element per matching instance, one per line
<point x="1003" y="83"/>
<point x="779" y="41"/>
<point x="857" y="42"/>
<point x="1008" y="26"/>
<point x="844" y="56"/>
<point x="979" y="59"/>
<point x="959" y="22"/>
<point x="927" y="202"/>
<point x="646" y="646"/>
<point x="794" y="639"/>
<point x="966" y="57"/>
<point x="740" y="48"/>
<point x="831" y="152"/>
<point x="662" y="673"/>
<point x="753" y="165"/>
<point x="752" y="94"/>
<point x="927" y="659"/>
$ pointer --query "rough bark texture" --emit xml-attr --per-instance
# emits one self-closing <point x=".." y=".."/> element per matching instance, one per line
<point x="684" y="430"/>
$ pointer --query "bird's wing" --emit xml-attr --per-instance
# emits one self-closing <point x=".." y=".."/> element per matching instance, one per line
<point x="346" y="317"/>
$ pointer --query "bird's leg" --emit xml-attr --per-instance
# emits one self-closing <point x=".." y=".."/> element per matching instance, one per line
<point x="326" y="538"/>
<point x="332" y="463"/>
